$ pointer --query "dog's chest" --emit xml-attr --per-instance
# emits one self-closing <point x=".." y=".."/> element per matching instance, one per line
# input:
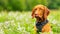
<point x="39" y="25"/>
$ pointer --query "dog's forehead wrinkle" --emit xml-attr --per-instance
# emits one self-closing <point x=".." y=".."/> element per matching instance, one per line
<point x="39" y="8"/>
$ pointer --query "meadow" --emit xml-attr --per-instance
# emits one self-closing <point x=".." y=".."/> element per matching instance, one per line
<point x="22" y="22"/>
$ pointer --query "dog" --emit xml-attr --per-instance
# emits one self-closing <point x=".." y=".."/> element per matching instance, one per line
<point x="40" y="12"/>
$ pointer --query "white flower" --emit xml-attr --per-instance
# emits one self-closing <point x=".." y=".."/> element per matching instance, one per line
<point x="1" y="31"/>
<point x="54" y="21"/>
<point x="26" y="19"/>
<point x="58" y="24"/>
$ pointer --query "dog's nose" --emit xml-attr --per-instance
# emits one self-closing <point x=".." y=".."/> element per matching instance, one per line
<point x="36" y="15"/>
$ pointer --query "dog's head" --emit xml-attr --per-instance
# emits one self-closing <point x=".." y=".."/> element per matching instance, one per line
<point x="40" y="12"/>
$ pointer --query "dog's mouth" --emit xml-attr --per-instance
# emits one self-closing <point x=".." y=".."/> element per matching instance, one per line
<point x="39" y="18"/>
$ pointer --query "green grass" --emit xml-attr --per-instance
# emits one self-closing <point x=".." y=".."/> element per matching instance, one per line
<point x="22" y="22"/>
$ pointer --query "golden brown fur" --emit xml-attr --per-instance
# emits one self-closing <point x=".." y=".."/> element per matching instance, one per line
<point x="41" y="12"/>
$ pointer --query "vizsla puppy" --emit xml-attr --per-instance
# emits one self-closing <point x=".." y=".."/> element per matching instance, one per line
<point x="41" y="12"/>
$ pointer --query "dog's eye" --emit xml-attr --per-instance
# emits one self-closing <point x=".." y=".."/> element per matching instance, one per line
<point x="35" y="9"/>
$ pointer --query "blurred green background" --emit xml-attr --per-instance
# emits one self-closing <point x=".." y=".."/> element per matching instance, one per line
<point x="24" y="5"/>
<point x="15" y="16"/>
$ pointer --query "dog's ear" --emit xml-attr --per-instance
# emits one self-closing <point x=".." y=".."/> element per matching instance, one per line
<point x="33" y="11"/>
<point x="46" y="12"/>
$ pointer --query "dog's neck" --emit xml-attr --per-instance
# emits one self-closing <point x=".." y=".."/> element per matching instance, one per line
<point x="43" y="21"/>
<point x="40" y="20"/>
